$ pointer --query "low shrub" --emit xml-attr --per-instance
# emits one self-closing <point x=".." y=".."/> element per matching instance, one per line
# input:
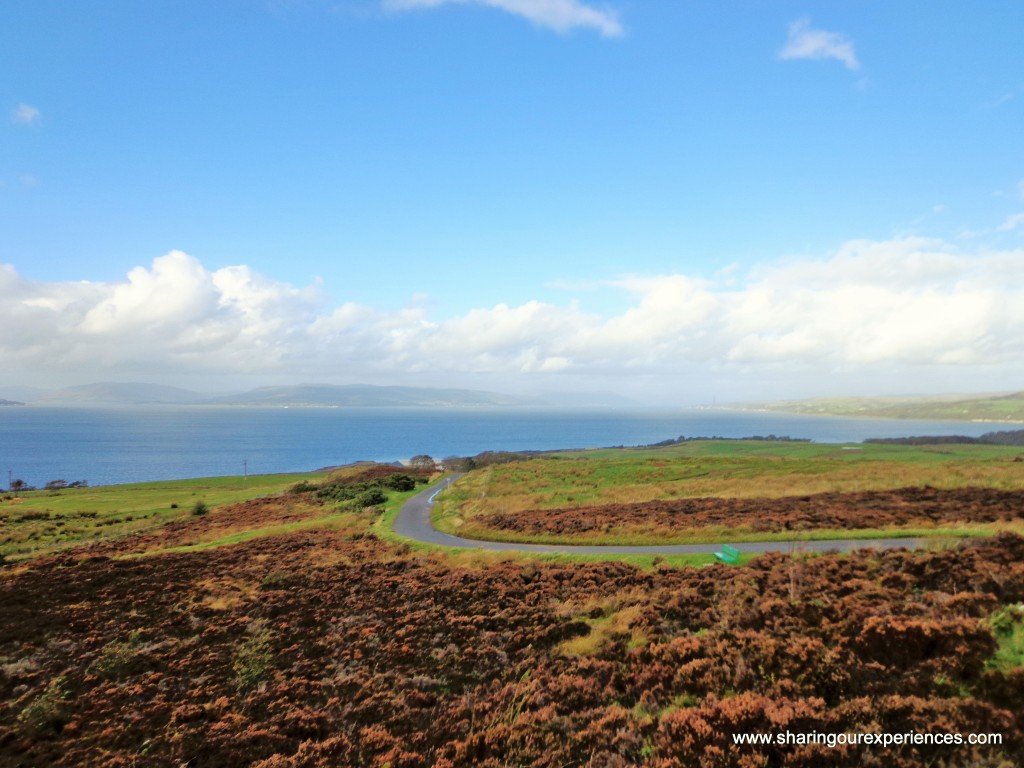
<point x="47" y="712"/>
<point x="253" y="656"/>
<point x="275" y="580"/>
<point x="118" y="658"/>
<point x="371" y="498"/>
<point x="398" y="482"/>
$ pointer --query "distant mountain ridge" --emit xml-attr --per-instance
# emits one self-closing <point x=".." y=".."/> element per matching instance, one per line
<point x="301" y="395"/>
<point x="120" y="394"/>
<point x="363" y="395"/>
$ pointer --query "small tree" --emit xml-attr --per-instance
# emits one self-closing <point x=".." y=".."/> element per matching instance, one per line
<point x="422" y="462"/>
<point x="20" y="485"/>
<point x="458" y="463"/>
<point x="200" y="509"/>
<point x="57" y="485"/>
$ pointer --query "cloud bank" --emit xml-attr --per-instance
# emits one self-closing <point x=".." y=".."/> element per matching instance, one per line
<point x="559" y="15"/>
<point x="804" y="42"/>
<point x="898" y="304"/>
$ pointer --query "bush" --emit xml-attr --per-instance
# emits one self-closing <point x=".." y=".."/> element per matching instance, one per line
<point x="398" y="482"/>
<point x="200" y="509"/>
<point x="47" y="712"/>
<point x="371" y="498"/>
<point x="303" y="487"/>
<point x="253" y="656"/>
<point x="118" y="658"/>
<point x="276" y="580"/>
<point x="338" y="492"/>
<point x="361" y="491"/>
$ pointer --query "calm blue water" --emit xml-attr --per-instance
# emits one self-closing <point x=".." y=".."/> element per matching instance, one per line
<point x="126" y="445"/>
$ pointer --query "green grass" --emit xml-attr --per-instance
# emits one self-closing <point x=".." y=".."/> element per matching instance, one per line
<point x="719" y="534"/>
<point x="353" y="520"/>
<point x="42" y="521"/>
<point x="118" y="510"/>
<point x="721" y="468"/>
<point x="383" y="527"/>
<point x="1008" y="628"/>
<point x="737" y="469"/>
<point x="804" y="450"/>
<point x="614" y="621"/>
<point x="253" y="657"/>
<point x="330" y="521"/>
<point x="45" y="521"/>
<point x="48" y="712"/>
<point x="995" y="408"/>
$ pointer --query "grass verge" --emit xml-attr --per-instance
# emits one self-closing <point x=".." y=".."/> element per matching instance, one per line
<point x="716" y="535"/>
<point x="726" y="469"/>
<point x="383" y="527"/>
<point x="42" y="521"/>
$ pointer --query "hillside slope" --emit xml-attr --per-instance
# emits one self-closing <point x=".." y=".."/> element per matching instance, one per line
<point x="994" y="407"/>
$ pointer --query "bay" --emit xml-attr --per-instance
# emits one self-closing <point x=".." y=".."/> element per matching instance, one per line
<point x="120" y="445"/>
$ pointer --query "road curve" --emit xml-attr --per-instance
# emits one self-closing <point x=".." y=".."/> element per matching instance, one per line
<point x="413" y="522"/>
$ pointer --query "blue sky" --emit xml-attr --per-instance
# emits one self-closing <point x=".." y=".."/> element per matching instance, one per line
<point x="450" y="157"/>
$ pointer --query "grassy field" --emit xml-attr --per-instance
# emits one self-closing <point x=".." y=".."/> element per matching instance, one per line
<point x="739" y="469"/>
<point x="383" y="527"/>
<point x="996" y="408"/>
<point x="39" y="521"/>
<point x="43" y="521"/>
<point x="732" y="535"/>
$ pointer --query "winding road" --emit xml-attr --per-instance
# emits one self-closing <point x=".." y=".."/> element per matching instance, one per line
<point x="413" y="522"/>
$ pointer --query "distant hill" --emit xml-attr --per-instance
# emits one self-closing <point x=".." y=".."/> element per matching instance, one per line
<point x="1008" y="407"/>
<point x="355" y="395"/>
<point x="9" y="402"/>
<point x="20" y="394"/>
<point x="108" y="393"/>
<point x="323" y="395"/>
<point x="580" y="400"/>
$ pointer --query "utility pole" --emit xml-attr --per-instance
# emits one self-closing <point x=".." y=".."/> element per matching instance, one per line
<point x="10" y="479"/>
<point x="245" y="467"/>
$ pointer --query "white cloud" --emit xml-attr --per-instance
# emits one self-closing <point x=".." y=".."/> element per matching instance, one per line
<point x="1011" y="223"/>
<point x="559" y="15"/>
<point x="901" y="304"/>
<point x="804" y="42"/>
<point x="25" y="114"/>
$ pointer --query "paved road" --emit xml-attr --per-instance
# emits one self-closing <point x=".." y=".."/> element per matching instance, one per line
<point x="413" y="522"/>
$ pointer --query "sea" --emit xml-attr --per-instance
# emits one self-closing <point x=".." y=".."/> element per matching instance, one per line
<point x="123" y="445"/>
